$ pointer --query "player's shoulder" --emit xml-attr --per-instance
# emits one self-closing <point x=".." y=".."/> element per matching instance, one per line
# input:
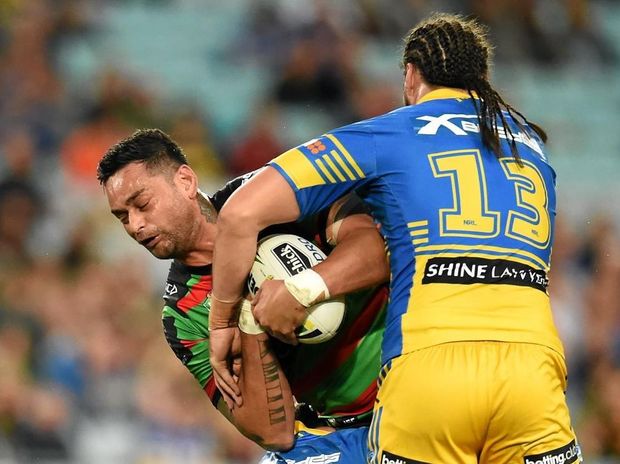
<point x="378" y="124"/>
<point x="219" y="197"/>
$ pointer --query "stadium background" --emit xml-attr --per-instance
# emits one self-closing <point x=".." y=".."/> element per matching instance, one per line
<point x="85" y="375"/>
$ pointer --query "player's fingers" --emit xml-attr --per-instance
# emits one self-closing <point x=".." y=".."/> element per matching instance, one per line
<point x="236" y="368"/>
<point x="230" y="401"/>
<point x="223" y="375"/>
<point x="256" y="298"/>
<point x="289" y="337"/>
<point x="230" y="404"/>
<point x="258" y="317"/>
<point x="258" y="313"/>
<point x="225" y="385"/>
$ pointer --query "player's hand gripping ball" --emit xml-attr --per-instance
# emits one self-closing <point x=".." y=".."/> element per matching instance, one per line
<point x="284" y="255"/>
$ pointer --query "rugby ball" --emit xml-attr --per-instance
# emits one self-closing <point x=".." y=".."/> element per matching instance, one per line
<point x="283" y="255"/>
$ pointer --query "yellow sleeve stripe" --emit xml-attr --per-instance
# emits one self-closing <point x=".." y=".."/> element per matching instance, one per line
<point x="417" y="224"/>
<point x="347" y="155"/>
<point x="331" y="164"/>
<point x="507" y="253"/>
<point x="301" y="171"/>
<point x="415" y="233"/>
<point x="343" y="165"/>
<point x="324" y="170"/>
<point x="418" y="241"/>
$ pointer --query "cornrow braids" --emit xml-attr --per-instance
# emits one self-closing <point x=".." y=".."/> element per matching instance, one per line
<point x="452" y="51"/>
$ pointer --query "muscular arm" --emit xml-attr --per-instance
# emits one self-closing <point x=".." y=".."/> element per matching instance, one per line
<point x="267" y="415"/>
<point x="359" y="259"/>
<point x="264" y="200"/>
<point x="268" y="199"/>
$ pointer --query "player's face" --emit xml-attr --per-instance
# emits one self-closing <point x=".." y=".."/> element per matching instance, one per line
<point x="154" y="208"/>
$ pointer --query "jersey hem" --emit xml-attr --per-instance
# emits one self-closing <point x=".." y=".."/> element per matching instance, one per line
<point x="557" y="347"/>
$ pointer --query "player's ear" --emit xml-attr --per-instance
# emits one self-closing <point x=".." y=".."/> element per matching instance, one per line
<point x="186" y="179"/>
<point x="410" y="76"/>
<point x="412" y="83"/>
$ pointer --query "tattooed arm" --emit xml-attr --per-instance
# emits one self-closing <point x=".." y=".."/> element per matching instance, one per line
<point x="267" y="415"/>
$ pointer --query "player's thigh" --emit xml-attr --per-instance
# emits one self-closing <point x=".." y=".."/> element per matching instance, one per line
<point x="344" y="446"/>
<point x="530" y="418"/>
<point x="432" y="407"/>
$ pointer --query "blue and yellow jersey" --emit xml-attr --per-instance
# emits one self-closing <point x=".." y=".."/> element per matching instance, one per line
<point x="469" y="235"/>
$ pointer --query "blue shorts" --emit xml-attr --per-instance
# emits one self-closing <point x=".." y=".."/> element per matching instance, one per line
<point x="344" y="446"/>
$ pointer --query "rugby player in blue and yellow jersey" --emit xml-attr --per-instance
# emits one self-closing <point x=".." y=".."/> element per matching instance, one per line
<point x="473" y="369"/>
<point x="153" y="192"/>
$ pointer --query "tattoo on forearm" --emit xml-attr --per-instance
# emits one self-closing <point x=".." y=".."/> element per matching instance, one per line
<point x="274" y="393"/>
<point x="277" y="413"/>
<point x="270" y="371"/>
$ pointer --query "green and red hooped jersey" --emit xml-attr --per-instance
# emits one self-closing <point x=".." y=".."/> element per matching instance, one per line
<point x="338" y="377"/>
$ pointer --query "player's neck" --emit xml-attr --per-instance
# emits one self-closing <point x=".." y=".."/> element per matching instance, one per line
<point x="206" y="207"/>
<point x="201" y="252"/>
<point x="420" y="91"/>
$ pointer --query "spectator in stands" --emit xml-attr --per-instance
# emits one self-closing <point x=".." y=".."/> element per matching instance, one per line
<point x="19" y="206"/>
<point x="258" y="143"/>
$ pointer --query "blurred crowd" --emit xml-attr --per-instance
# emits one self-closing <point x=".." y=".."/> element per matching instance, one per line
<point x="85" y="374"/>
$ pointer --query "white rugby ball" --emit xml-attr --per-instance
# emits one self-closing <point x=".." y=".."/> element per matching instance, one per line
<point x="283" y="255"/>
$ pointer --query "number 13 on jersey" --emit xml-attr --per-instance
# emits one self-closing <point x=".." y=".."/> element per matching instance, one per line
<point x="470" y="214"/>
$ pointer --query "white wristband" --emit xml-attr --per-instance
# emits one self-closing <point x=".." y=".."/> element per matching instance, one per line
<point x="307" y="287"/>
<point x="247" y="323"/>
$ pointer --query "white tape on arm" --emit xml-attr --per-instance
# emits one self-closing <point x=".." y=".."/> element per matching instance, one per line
<point x="307" y="287"/>
<point x="247" y="323"/>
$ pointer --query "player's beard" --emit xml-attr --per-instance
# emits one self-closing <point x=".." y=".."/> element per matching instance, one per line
<point x="178" y="240"/>
<point x="168" y="246"/>
<point x="173" y="244"/>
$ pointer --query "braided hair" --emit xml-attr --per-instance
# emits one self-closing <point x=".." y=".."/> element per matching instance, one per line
<point x="452" y="51"/>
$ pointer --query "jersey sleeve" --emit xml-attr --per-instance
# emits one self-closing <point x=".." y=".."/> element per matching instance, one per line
<point x="185" y="319"/>
<point x="190" y="343"/>
<point x="324" y="169"/>
<point x="351" y="204"/>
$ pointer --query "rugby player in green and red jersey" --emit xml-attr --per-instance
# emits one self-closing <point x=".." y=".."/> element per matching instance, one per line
<point x="153" y="192"/>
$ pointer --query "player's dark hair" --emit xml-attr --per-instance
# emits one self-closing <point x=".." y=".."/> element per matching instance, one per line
<point x="452" y="51"/>
<point x="152" y="147"/>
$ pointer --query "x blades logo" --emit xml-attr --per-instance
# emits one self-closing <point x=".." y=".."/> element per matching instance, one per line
<point x="458" y="124"/>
